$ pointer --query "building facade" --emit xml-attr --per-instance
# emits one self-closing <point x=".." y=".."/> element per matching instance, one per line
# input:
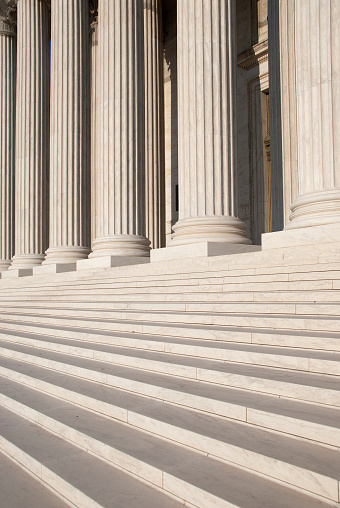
<point x="128" y="126"/>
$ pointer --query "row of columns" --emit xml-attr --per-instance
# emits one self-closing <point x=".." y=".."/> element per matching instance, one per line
<point x="127" y="126"/>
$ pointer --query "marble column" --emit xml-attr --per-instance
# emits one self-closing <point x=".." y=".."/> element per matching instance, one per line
<point x="32" y="132"/>
<point x="207" y="159"/>
<point x="8" y="48"/>
<point x="94" y="137"/>
<point x="154" y="124"/>
<point x="120" y="185"/>
<point x="316" y="91"/>
<point x="70" y="117"/>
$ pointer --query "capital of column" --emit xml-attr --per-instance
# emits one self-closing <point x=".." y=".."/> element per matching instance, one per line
<point x="8" y="24"/>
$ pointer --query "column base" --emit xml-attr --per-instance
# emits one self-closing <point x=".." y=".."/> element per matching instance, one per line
<point x="215" y="229"/>
<point x="65" y="255"/>
<point x="199" y="250"/>
<point x="121" y="245"/>
<point x="26" y="261"/>
<point x="17" y="272"/>
<point x="315" y="209"/>
<point x="102" y="262"/>
<point x="4" y="264"/>
<point x="54" y="268"/>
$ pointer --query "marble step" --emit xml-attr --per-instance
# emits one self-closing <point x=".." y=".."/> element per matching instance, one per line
<point x="303" y="465"/>
<point x="185" y="357"/>
<point x="20" y="489"/>
<point x="234" y="297"/>
<point x="215" y="284"/>
<point x="81" y="478"/>
<point x="284" y="417"/>
<point x="328" y="341"/>
<point x="312" y="388"/>
<point x="93" y="483"/>
<point x="75" y="298"/>
<point x="223" y="264"/>
<point x="196" y="270"/>
<point x="176" y="323"/>
<point x="181" y="274"/>
<point x="257" y="260"/>
<point x="309" y="387"/>
<point x="283" y="300"/>
<point x="108" y="309"/>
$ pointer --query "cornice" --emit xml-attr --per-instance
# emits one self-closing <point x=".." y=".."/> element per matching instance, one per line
<point x="254" y="56"/>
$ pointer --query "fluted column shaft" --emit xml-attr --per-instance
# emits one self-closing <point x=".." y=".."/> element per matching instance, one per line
<point x="8" y="48"/>
<point x="317" y="64"/>
<point x="207" y="160"/>
<point x="120" y="203"/>
<point x="70" y="116"/>
<point x="154" y="124"/>
<point x="94" y="136"/>
<point x="32" y="132"/>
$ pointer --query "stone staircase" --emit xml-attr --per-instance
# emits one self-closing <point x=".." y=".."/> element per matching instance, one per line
<point x="211" y="382"/>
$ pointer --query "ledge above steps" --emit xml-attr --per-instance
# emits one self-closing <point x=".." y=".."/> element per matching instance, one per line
<point x="286" y="256"/>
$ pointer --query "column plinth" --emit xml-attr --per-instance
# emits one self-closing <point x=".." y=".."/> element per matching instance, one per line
<point x="8" y="47"/>
<point x="69" y="152"/>
<point x="32" y="123"/>
<point x="207" y="159"/>
<point x="120" y="176"/>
